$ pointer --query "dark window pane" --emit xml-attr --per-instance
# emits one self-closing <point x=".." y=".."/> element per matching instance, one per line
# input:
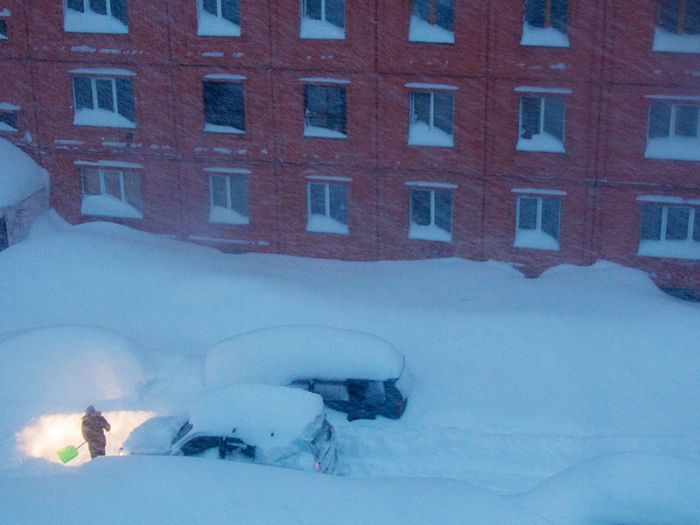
<point x="550" y="217"/>
<point x="90" y="181"/>
<point x="444" y="14"/>
<point x="421" y="107"/>
<point x="218" y="191"/>
<point x="677" y="223"/>
<point x="696" y="225"/>
<point x="210" y="6"/>
<point x="223" y="104"/>
<point x="125" y="98"/>
<point x="132" y="189"/>
<point x="554" y="109"/>
<point x="76" y="5"/>
<point x="687" y="121"/>
<point x="82" y="88"/>
<point x="651" y="222"/>
<point x="325" y="107"/>
<point x="10" y="119"/>
<point x="692" y="17"/>
<point x="534" y="12"/>
<point x="239" y="195"/>
<point x="420" y="207"/>
<point x="119" y="11"/>
<point x="560" y="13"/>
<point x="668" y="14"/>
<point x="230" y="11"/>
<point x="443" y="210"/>
<point x="442" y="111"/>
<point x="335" y="12"/>
<point x="529" y="116"/>
<point x="659" y="120"/>
<point x="99" y="6"/>
<point x="527" y="213"/>
<point x="317" y="199"/>
<point x="337" y="109"/>
<point x="105" y="96"/>
<point x="312" y="9"/>
<point x="339" y="202"/>
<point x="3" y="28"/>
<point x="112" y="183"/>
<point x="421" y="9"/>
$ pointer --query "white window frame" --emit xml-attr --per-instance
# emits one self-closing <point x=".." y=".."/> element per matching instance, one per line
<point x="101" y="173"/>
<point x="95" y="105"/>
<point x="238" y="218"/>
<point x="221" y="30"/>
<point x="687" y="248"/>
<point x="86" y="9"/>
<point x="524" y="144"/>
<point x="417" y="231"/>
<point x="439" y="34"/>
<point x="327" y="208"/>
<point x="335" y="34"/>
<point x="674" y="41"/>
<point x="685" y="150"/>
<point x="547" y="36"/>
<point x="413" y="141"/>
<point x="519" y="242"/>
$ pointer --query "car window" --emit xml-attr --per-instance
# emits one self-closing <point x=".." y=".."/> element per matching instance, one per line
<point x="181" y="433"/>
<point x="374" y="394"/>
<point x="331" y="391"/>
<point x="200" y="444"/>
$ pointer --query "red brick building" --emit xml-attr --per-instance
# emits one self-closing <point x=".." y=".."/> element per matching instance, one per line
<point x="531" y="131"/>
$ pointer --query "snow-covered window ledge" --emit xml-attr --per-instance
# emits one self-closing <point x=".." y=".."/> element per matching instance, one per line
<point x="537" y="214"/>
<point x="319" y="132"/>
<point x="687" y="249"/>
<point x="323" y="224"/>
<point x="327" y="205"/>
<point x="218" y="18"/>
<point x="108" y="206"/>
<point x="430" y="232"/>
<point x="543" y="36"/>
<point x="535" y="240"/>
<point x="673" y="148"/>
<point x="430" y="211"/>
<point x="542" y="142"/>
<point x="666" y="41"/>
<point x="221" y="215"/>
<point x="86" y="16"/>
<point x="101" y="118"/>
<point x="422" y="31"/>
<point x="322" y="19"/>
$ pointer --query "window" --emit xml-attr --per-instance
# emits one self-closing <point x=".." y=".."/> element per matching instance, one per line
<point x="324" y="112"/>
<point x="323" y="19"/>
<point x="218" y="18"/>
<point x="431" y="215"/>
<point x="541" y="124"/>
<point x="431" y="119"/>
<point x="111" y="192"/>
<point x="674" y="131"/>
<point x="670" y="231"/>
<point x="8" y="120"/>
<point x="223" y="107"/>
<point x="331" y="391"/>
<point x="432" y="21"/>
<point x="537" y="223"/>
<point x="96" y="16"/>
<point x="545" y="23"/>
<point x="327" y="207"/>
<point x="102" y="101"/>
<point x="229" y="199"/>
<point x="3" y="29"/>
<point x="678" y="26"/>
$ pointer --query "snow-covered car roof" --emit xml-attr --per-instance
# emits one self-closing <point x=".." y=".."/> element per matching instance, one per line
<point x="262" y="415"/>
<point x="281" y="354"/>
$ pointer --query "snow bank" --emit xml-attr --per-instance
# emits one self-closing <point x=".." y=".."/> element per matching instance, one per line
<point x="65" y="367"/>
<point x="281" y="354"/>
<point x="621" y="488"/>
<point x="156" y="489"/>
<point x="20" y="176"/>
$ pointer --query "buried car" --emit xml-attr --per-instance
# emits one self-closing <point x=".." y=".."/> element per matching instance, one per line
<point x="354" y="372"/>
<point x="265" y="424"/>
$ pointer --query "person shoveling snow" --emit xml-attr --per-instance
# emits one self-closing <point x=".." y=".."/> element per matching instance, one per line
<point x="93" y="426"/>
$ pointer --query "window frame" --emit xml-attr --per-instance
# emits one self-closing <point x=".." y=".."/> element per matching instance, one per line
<point x="654" y="148"/>
<point x="227" y="177"/>
<point x="547" y="34"/>
<point x="344" y="228"/>
<point x="414" y="227"/>
<point x="4" y="30"/>
<point x="319" y="34"/>
<point x="95" y="101"/>
<point x="102" y="172"/>
<point x="219" y="128"/>
<point x="431" y="117"/>
<point x="527" y="144"/>
<point x="236" y="27"/>
<point x="109" y="14"/>
<point x="656" y="243"/>
<point x="539" y="220"/>
<point x="448" y="37"/>
<point x="308" y="114"/>
<point x="15" y="121"/>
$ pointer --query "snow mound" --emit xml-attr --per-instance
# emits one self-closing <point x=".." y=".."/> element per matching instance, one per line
<point x="281" y="354"/>
<point x="621" y="488"/>
<point x="20" y="176"/>
<point x="65" y="368"/>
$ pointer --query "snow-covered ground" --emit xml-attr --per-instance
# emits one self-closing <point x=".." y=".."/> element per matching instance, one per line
<point x="514" y="381"/>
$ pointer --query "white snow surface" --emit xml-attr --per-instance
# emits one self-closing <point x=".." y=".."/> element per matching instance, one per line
<point x="108" y="206"/>
<point x="543" y="36"/>
<point x="421" y="31"/>
<point x="320" y="30"/>
<point x="20" y="176"/>
<point x="92" y="22"/>
<point x="514" y="381"/>
<point x="281" y="354"/>
<point x="101" y="118"/>
<point x="212" y="25"/>
<point x="674" y="43"/>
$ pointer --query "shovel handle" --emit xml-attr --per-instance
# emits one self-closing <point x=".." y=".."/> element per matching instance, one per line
<point x="81" y="445"/>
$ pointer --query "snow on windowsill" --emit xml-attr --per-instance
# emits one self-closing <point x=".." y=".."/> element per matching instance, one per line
<point x="5" y="127"/>
<point x="324" y="224"/>
<point x="535" y="239"/>
<point x="671" y="42"/>
<point x="541" y="142"/>
<point x="211" y="25"/>
<point x="215" y="128"/>
<point x="316" y="131"/>
<point x="422" y="31"/>
<point x="3" y="37"/>
<point x="543" y="36"/>
<point x="670" y="249"/>
<point x="420" y="134"/>
<point x="91" y="22"/>
<point x="673" y="148"/>
<point x="101" y="118"/>
<point x="227" y="216"/>
<point x="320" y="30"/>
<point x="429" y="233"/>
<point x="109" y="206"/>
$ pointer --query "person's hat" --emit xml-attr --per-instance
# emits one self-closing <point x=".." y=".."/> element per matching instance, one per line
<point x="90" y="410"/>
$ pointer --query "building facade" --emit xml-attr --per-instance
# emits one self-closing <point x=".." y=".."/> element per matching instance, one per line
<point x="537" y="132"/>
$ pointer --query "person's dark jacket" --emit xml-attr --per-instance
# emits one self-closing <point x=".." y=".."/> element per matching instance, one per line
<point x="93" y="427"/>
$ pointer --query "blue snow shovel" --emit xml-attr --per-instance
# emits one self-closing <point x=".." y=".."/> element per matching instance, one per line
<point x="65" y="454"/>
